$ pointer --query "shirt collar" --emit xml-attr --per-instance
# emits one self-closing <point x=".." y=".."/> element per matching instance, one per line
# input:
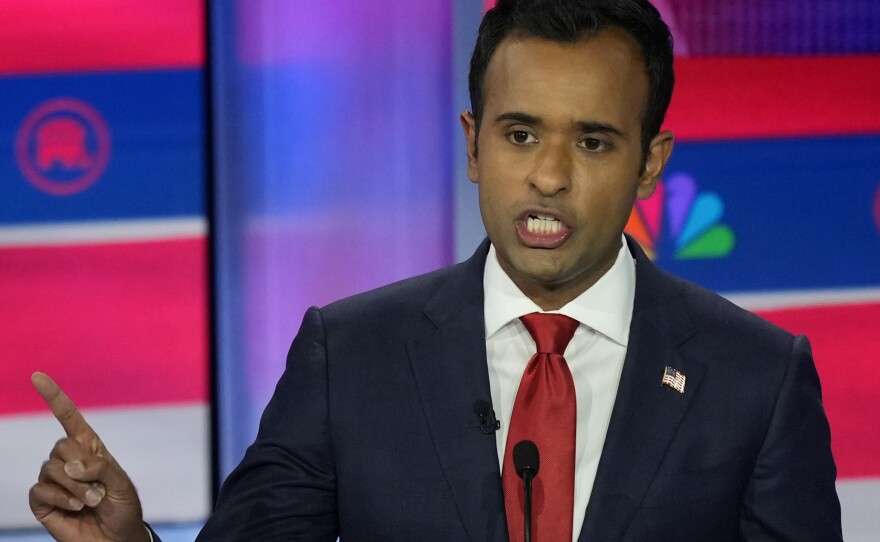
<point x="605" y="307"/>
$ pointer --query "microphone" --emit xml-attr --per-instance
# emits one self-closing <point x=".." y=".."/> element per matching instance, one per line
<point x="526" y="461"/>
<point x="488" y="423"/>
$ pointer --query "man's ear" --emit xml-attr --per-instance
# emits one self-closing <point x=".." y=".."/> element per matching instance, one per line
<point x="469" y="124"/>
<point x="659" y="151"/>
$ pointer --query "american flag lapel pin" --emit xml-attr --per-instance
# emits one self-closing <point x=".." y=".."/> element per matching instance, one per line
<point x="673" y="378"/>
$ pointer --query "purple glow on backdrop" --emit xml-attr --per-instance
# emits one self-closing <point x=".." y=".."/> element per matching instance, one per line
<point x="283" y="32"/>
<point x="877" y="208"/>
<point x="339" y="115"/>
<point x="774" y="27"/>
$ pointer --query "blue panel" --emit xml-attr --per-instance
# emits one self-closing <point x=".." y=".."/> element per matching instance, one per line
<point x="800" y="211"/>
<point x="153" y="142"/>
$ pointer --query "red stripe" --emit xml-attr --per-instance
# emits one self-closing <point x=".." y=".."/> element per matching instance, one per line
<point x="63" y="36"/>
<point x="730" y="98"/>
<point x="847" y="353"/>
<point x="119" y="324"/>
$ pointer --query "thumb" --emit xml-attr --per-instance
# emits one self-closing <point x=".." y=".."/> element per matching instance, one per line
<point x="102" y="469"/>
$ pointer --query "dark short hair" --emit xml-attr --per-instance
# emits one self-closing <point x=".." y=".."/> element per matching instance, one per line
<point x="569" y="21"/>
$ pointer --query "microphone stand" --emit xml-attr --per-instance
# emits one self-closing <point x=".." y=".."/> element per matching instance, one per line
<point x="527" y="524"/>
<point x="527" y="461"/>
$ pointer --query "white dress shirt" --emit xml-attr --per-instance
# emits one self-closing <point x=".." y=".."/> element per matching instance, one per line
<point x="594" y="355"/>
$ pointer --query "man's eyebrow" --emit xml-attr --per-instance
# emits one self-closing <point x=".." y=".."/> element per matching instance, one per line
<point x="587" y="127"/>
<point x="518" y="116"/>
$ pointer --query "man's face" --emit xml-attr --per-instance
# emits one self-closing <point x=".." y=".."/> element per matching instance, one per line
<point x="559" y="158"/>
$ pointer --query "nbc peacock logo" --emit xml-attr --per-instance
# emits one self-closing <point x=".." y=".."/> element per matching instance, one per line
<point x="691" y="220"/>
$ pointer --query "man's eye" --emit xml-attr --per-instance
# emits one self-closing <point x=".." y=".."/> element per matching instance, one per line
<point x="521" y="137"/>
<point x="594" y="145"/>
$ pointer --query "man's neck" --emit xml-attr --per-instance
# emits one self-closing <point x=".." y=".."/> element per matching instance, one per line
<point x="551" y="297"/>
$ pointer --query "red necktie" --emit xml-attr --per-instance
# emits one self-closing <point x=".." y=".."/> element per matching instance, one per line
<point x="545" y="413"/>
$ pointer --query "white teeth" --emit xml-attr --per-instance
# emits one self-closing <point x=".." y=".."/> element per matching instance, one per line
<point x="543" y="224"/>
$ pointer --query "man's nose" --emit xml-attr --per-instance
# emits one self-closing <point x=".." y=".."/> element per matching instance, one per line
<point x="552" y="170"/>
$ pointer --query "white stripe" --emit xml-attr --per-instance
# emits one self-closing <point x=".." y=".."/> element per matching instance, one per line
<point x="858" y="507"/>
<point x="165" y="450"/>
<point x="104" y="231"/>
<point x="803" y="298"/>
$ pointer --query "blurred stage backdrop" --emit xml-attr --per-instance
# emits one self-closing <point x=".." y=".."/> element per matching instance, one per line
<point x="103" y="241"/>
<point x="331" y="161"/>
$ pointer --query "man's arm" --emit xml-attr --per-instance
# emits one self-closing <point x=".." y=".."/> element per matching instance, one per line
<point x="285" y="487"/>
<point x="791" y="495"/>
<point x="82" y="494"/>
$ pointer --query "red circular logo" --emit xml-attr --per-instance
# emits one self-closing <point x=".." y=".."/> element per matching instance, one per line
<point x="63" y="146"/>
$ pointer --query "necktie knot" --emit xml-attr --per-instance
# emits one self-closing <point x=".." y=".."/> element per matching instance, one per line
<point x="552" y="332"/>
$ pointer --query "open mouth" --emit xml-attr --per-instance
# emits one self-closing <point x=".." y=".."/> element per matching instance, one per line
<point x="541" y="230"/>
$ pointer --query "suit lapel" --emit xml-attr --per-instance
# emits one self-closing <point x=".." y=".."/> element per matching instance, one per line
<point x="449" y="364"/>
<point x="448" y="360"/>
<point x="646" y="414"/>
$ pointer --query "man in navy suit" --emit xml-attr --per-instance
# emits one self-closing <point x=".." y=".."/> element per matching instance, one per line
<point x="695" y="419"/>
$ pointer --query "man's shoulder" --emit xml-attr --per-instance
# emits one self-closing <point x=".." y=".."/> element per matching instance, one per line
<point x="678" y="300"/>
<point x="402" y="299"/>
<point x="712" y="313"/>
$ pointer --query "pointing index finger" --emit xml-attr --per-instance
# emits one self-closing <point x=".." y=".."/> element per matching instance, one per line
<point x="62" y="407"/>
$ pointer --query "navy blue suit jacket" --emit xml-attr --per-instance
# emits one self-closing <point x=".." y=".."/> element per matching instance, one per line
<point x="372" y="435"/>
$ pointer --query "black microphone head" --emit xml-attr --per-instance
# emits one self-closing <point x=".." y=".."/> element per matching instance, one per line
<point x="525" y="457"/>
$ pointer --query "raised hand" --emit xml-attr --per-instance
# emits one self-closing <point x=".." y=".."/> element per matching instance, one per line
<point x="82" y="493"/>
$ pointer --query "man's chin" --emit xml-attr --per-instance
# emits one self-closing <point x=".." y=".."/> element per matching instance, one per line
<point x="543" y="271"/>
